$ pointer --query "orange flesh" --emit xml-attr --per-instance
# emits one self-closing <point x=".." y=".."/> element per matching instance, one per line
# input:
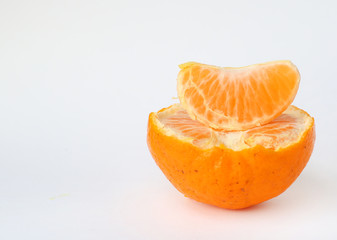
<point x="182" y="123"/>
<point x="280" y="132"/>
<point x="237" y="98"/>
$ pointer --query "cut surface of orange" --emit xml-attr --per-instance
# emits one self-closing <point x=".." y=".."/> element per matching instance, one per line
<point x="281" y="132"/>
<point x="237" y="98"/>
<point x="230" y="169"/>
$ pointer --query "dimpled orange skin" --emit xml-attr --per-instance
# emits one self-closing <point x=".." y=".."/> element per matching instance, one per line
<point x="225" y="178"/>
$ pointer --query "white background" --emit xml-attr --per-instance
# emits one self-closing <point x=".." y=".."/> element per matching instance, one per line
<point x="78" y="80"/>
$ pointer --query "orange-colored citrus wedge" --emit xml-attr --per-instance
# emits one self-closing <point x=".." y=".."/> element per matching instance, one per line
<point x="237" y="98"/>
<point x="235" y="169"/>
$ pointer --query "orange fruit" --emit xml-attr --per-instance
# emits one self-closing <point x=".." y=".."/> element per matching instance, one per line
<point x="237" y="98"/>
<point x="235" y="169"/>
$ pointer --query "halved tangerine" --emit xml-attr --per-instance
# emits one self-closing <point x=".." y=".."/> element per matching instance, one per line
<point x="230" y="169"/>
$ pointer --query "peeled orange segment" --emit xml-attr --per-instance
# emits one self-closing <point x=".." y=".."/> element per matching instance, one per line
<point x="235" y="169"/>
<point x="237" y="98"/>
<point x="283" y="131"/>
